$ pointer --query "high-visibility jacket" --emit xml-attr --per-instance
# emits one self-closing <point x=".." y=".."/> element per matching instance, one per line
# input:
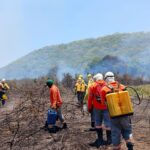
<point x="5" y="86"/>
<point x="90" y="83"/>
<point x="55" y="98"/>
<point x="80" y="86"/>
<point x="92" y="97"/>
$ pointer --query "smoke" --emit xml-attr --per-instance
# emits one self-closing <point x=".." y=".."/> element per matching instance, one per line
<point x="137" y="48"/>
<point x="63" y="68"/>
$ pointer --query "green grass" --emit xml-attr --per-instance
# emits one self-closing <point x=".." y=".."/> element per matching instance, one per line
<point x="142" y="90"/>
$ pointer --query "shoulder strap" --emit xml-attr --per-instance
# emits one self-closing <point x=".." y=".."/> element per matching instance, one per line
<point x="114" y="89"/>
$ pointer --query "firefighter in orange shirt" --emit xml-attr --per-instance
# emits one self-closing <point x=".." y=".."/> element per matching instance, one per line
<point x="100" y="112"/>
<point x="120" y="125"/>
<point x="56" y="101"/>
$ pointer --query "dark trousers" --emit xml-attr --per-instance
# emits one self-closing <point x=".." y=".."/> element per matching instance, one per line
<point x="80" y="96"/>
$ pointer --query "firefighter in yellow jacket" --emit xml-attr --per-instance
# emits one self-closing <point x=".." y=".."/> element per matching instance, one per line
<point x="80" y="88"/>
<point x="5" y="85"/>
<point x="5" y="88"/>
<point x="90" y="82"/>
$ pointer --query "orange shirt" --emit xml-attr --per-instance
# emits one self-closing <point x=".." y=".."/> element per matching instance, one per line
<point x="93" y="93"/>
<point x="105" y="90"/>
<point x="55" y="98"/>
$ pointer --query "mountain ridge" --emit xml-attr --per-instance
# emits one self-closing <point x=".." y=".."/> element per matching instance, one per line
<point x="130" y="50"/>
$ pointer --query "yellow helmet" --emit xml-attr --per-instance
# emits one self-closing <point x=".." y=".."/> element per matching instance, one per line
<point x="80" y="76"/>
<point x="89" y="75"/>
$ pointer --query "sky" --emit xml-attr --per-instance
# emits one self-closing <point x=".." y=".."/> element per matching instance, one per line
<point x="27" y="25"/>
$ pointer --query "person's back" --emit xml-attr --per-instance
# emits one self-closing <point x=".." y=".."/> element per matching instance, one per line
<point x="120" y="125"/>
<point x="5" y="85"/>
<point x="100" y="112"/>
<point x="2" y="93"/>
<point x="56" y="101"/>
<point x="90" y="84"/>
<point x="55" y="98"/>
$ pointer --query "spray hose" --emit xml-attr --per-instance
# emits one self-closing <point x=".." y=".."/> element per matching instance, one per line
<point x="137" y="95"/>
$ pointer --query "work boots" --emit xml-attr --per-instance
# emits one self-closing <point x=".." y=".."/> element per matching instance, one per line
<point x="92" y="127"/>
<point x="99" y="141"/>
<point x="130" y="146"/>
<point x="108" y="134"/>
<point x="92" y="124"/>
<point x="64" y="125"/>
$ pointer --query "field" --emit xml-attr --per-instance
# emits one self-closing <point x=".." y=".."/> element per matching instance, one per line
<point x="24" y="115"/>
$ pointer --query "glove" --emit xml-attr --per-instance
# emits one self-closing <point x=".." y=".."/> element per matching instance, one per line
<point x="84" y="107"/>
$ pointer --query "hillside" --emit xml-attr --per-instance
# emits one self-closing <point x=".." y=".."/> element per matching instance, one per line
<point x="121" y="53"/>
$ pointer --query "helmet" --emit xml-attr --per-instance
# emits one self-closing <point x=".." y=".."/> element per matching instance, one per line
<point x="3" y="80"/>
<point x="109" y="74"/>
<point x="89" y="75"/>
<point x="98" y="76"/>
<point x="94" y="77"/>
<point x="80" y="76"/>
<point x="49" y="83"/>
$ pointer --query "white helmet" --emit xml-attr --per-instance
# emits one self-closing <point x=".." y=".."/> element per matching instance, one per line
<point x="98" y="76"/>
<point x="94" y="77"/>
<point x="3" y="80"/>
<point x="109" y="74"/>
<point x="109" y="77"/>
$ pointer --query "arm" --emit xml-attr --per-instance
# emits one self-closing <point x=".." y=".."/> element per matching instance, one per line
<point x="6" y="86"/>
<point x="90" y="100"/>
<point x="53" y="98"/>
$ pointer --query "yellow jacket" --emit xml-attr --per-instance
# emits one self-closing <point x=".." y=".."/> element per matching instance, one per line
<point x="80" y="86"/>
<point x="5" y="86"/>
<point x="90" y="83"/>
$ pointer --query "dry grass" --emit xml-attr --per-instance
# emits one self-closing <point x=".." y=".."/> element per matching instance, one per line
<point x="25" y="113"/>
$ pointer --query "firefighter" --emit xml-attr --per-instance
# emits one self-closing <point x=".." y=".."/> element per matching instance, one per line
<point x="5" y="85"/>
<point x="120" y="125"/>
<point x="2" y="95"/>
<point x="90" y="84"/>
<point x="100" y="112"/>
<point x="80" y="88"/>
<point x="5" y="88"/>
<point x="56" y="101"/>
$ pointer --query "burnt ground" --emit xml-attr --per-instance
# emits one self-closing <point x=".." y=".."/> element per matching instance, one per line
<point x="23" y="117"/>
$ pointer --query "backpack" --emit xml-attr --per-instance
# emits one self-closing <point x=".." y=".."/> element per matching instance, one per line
<point x="118" y="102"/>
<point x="97" y="93"/>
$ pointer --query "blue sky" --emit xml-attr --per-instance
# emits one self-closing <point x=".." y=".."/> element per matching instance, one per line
<point x="27" y="25"/>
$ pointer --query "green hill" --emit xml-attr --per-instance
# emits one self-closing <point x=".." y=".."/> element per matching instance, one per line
<point x="123" y="53"/>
